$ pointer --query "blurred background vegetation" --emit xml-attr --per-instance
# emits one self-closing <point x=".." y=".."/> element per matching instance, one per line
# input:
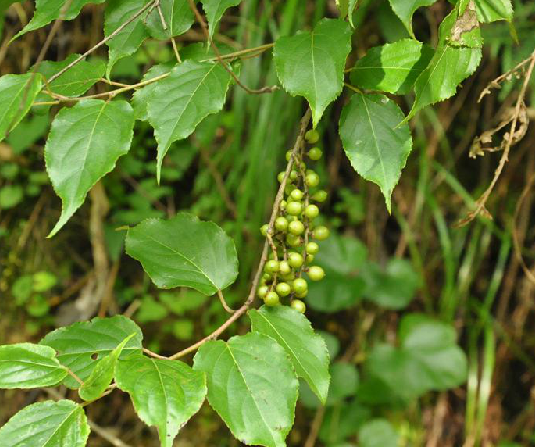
<point x="379" y="266"/>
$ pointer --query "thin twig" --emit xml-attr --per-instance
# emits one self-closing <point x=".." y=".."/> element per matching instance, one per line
<point x="252" y="294"/>
<point x="204" y="27"/>
<point x="103" y="41"/>
<point x="224" y="302"/>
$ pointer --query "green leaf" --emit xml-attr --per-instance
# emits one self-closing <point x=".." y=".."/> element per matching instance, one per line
<point x="392" y="67"/>
<point x="427" y="359"/>
<point x="84" y="144"/>
<point x="178" y="103"/>
<point x="184" y="252"/>
<point x="342" y="258"/>
<point x="456" y="48"/>
<point x="214" y="11"/>
<point x="343" y="420"/>
<point x="492" y="10"/>
<point x="307" y="350"/>
<point x="74" y="82"/>
<point x="47" y="11"/>
<point x="11" y="196"/>
<point x="82" y="346"/>
<point x="178" y="18"/>
<point x="165" y="393"/>
<point x="17" y="93"/>
<point x="351" y="5"/>
<point x="395" y="287"/>
<point x="129" y="39"/>
<point x="376" y="145"/>
<point x="142" y="97"/>
<point x="311" y="64"/>
<point x="47" y="424"/>
<point x="103" y="373"/>
<point x="26" y="365"/>
<point x="378" y="433"/>
<point x="404" y="9"/>
<point x="252" y="386"/>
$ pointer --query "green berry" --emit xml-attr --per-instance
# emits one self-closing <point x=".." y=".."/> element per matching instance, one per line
<point x="280" y="176"/>
<point x="284" y="268"/>
<point x="312" y="136"/>
<point x="300" y="285"/>
<point x="281" y="223"/>
<point x="294" y="175"/>
<point x="320" y="196"/>
<point x="312" y="179"/>
<point x="288" y="155"/>
<point x="316" y="273"/>
<point x="264" y="229"/>
<point x="309" y="258"/>
<point x="272" y="299"/>
<point x="315" y="153"/>
<point x="321" y="233"/>
<point x="296" y="227"/>
<point x="262" y="291"/>
<point x="296" y="195"/>
<point x="266" y="277"/>
<point x="272" y="266"/>
<point x="295" y="260"/>
<point x="283" y="204"/>
<point x="283" y="289"/>
<point x="311" y="211"/>
<point x="294" y="208"/>
<point x="292" y="240"/>
<point x="312" y="248"/>
<point x="288" y="278"/>
<point x="302" y="294"/>
<point x="299" y="306"/>
<point x="302" y="165"/>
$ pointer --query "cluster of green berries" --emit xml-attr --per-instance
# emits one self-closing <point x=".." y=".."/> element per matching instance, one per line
<point x="293" y="249"/>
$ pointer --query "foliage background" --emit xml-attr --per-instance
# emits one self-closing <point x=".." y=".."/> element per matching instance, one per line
<point x="227" y="173"/>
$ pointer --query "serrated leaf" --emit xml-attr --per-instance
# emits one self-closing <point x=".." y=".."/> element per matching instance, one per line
<point x="428" y="359"/>
<point x="81" y="346"/>
<point x="165" y="393"/>
<point x="47" y="424"/>
<point x="378" y="433"/>
<point x="141" y="98"/>
<point x="307" y="350"/>
<point x="404" y="9"/>
<point x="74" y="82"/>
<point x="178" y="103"/>
<point x="252" y="386"/>
<point x="311" y="64"/>
<point x="376" y="145"/>
<point x="47" y="11"/>
<point x="178" y="18"/>
<point x="128" y="40"/>
<point x="342" y="258"/>
<point x="84" y="144"/>
<point x="459" y="47"/>
<point x="17" y="93"/>
<point x="492" y="10"/>
<point x="393" y="67"/>
<point x="26" y="365"/>
<point x="214" y="11"/>
<point x="184" y="252"/>
<point x="102" y="374"/>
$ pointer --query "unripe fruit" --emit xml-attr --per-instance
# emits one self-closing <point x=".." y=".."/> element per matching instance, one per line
<point x="280" y="176"/>
<point x="299" y="306"/>
<point x="312" y="179"/>
<point x="264" y="229"/>
<point x="292" y="240"/>
<point x="266" y="277"/>
<point x="315" y="153"/>
<point x="295" y="260"/>
<point x="283" y="289"/>
<point x="294" y="208"/>
<point x="311" y="211"/>
<point x="262" y="291"/>
<point x="294" y="175"/>
<point x="288" y="155"/>
<point x="300" y="285"/>
<point x="283" y="204"/>
<point x="281" y="223"/>
<point x="272" y="266"/>
<point x="302" y="294"/>
<point x="321" y="233"/>
<point x="316" y="273"/>
<point x="296" y="194"/>
<point x="284" y="268"/>
<point x="302" y="165"/>
<point x="272" y="299"/>
<point x="296" y="227"/>
<point x="312" y="136"/>
<point x="312" y="248"/>
<point x="309" y="258"/>
<point x="320" y="196"/>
